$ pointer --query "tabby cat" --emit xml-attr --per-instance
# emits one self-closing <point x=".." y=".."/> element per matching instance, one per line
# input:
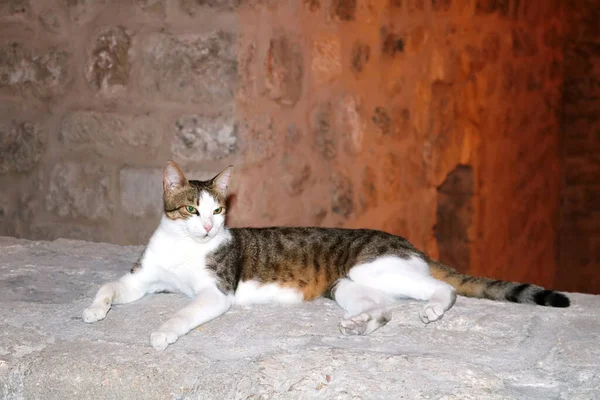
<point x="364" y="271"/>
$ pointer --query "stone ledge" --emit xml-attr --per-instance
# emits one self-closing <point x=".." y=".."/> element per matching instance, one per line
<point x="481" y="349"/>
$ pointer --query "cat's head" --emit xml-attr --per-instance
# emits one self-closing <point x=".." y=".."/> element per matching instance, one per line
<point x="197" y="207"/>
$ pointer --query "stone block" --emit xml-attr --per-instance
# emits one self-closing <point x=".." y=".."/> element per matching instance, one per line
<point x="326" y="59"/>
<point x="83" y="11"/>
<point x="295" y="173"/>
<point x="342" y="194"/>
<point x="502" y="7"/>
<point x="155" y="8"/>
<point x="523" y="43"/>
<point x="22" y="144"/>
<point x="392" y="43"/>
<point x="9" y="8"/>
<point x="312" y="5"/>
<point x="283" y="70"/>
<point x="108" y="65"/>
<point x="204" y="137"/>
<point x="369" y="189"/>
<point x="246" y="92"/>
<point x="110" y="130"/>
<point x="196" y="7"/>
<point x="343" y="10"/>
<point x="351" y="123"/>
<point x="491" y="47"/>
<point x="41" y="73"/>
<point x="259" y="138"/>
<point x="192" y="68"/>
<point x="141" y="191"/>
<point x="80" y="190"/>
<point x="52" y="20"/>
<point x="361" y="53"/>
<point x="323" y="132"/>
<point x="382" y="120"/>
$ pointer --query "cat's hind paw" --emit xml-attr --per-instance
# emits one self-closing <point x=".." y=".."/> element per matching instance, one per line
<point x="431" y="312"/>
<point x="93" y="314"/>
<point x="160" y="340"/>
<point x="365" y="323"/>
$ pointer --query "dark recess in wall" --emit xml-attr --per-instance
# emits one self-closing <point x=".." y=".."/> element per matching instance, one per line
<point x="454" y="218"/>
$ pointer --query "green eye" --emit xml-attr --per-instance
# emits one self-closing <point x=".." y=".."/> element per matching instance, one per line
<point x="218" y="210"/>
<point x="191" y="209"/>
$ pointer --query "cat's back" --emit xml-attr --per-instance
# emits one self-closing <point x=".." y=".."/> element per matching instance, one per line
<point x="309" y="258"/>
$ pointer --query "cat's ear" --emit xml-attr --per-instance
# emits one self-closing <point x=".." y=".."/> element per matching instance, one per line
<point x="221" y="181"/>
<point x="173" y="177"/>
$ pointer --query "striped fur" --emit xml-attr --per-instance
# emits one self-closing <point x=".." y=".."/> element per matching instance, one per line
<point x="493" y="289"/>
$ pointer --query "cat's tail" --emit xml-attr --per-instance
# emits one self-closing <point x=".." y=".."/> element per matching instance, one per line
<point x="492" y="289"/>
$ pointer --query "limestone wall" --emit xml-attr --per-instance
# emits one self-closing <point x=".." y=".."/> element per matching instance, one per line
<point x="436" y="120"/>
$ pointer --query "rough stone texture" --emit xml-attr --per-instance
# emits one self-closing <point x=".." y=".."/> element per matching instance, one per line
<point x="455" y="218"/>
<point x="202" y="137"/>
<point x="326" y="60"/>
<point x="284" y="71"/>
<point x="79" y="190"/>
<point x="141" y="191"/>
<point x="579" y="257"/>
<point x="13" y="7"/>
<point x="109" y="65"/>
<point x="21" y="146"/>
<point x="480" y="349"/>
<point x="92" y="128"/>
<point x="193" y="68"/>
<point x="26" y="71"/>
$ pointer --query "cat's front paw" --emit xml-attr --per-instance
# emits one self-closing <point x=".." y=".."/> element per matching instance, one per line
<point x="431" y="312"/>
<point x="93" y="314"/>
<point x="160" y="340"/>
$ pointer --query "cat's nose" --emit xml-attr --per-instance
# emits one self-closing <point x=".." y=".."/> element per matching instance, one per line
<point x="208" y="227"/>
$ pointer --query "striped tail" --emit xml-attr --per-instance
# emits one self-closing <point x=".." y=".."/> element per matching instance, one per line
<point x="492" y="289"/>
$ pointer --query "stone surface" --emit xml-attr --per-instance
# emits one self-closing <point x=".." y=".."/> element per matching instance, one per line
<point x="79" y="190"/>
<point x="22" y="144"/>
<point x="141" y="191"/>
<point x="579" y="237"/>
<point x="109" y="65"/>
<point x="283" y="70"/>
<point x="342" y="194"/>
<point x="343" y="10"/>
<point x="192" y="68"/>
<point x="82" y="11"/>
<point x="204" y="137"/>
<point x="323" y="131"/>
<point x="326" y="59"/>
<point x="455" y="218"/>
<point x="41" y="73"/>
<point x="195" y="7"/>
<point x="13" y="7"/>
<point x="109" y="129"/>
<point x="480" y="349"/>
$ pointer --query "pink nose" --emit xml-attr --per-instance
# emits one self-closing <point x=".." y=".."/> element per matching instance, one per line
<point x="208" y="227"/>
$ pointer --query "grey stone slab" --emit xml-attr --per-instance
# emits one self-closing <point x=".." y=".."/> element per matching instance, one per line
<point x="480" y="350"/>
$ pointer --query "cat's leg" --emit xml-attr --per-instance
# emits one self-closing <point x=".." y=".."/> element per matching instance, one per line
<point x="209" y="304"/>
<point x="366" y="308"/>
<point x="128" y="288"/>
<point x="407" y="278"/>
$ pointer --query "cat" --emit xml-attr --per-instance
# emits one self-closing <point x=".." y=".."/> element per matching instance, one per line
<point x="364" y="271"/>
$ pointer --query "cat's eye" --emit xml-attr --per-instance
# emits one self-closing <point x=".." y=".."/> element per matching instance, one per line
<point x="191" y="209"/>
<point x="218" y="210"/>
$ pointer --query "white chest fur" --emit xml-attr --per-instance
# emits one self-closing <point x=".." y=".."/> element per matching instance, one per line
<point x="178" y="263"/>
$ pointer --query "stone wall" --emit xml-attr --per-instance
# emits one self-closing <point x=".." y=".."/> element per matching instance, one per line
<point x="95" y="96"/>
<point x="579" y="246"/>
<point x="354" y="113"/>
